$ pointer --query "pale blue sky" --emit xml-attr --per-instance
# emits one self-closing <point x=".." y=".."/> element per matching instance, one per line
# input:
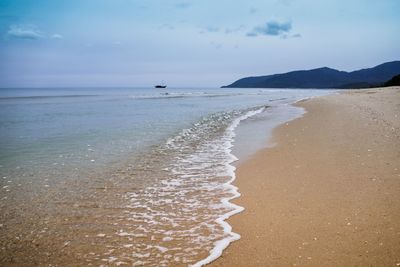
<point x="188" y="43"/>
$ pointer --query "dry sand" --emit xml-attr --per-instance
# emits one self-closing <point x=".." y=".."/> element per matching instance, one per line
<point x="328" y="194"/>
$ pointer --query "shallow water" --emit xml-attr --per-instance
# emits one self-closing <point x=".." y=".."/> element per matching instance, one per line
<point x="138" y="176"/>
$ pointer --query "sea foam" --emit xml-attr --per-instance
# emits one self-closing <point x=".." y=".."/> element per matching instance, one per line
<point x="188" y="203"/>
<point x="220" y="245"/>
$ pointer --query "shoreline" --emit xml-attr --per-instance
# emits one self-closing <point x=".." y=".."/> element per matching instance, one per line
<point x="240" y="153"/>
<point x="113" y="215"/>
<point x="109" y="197"/>
<point x="221" y="245"/>
<point x="318" y="196"/>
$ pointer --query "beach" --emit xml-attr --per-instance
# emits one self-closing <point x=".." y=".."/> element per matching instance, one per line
<point x="97" y="176"/>
<point x="327" y="192"/>
<point x="318" y="172"/>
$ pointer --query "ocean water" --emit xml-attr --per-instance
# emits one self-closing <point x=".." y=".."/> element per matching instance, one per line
<point x="136" y="176"/>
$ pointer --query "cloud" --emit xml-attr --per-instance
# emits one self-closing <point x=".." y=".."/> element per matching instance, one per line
<point x="211" y="29"/>
<point x="272" y="28"/>
<point x="27" y="32"/>
<point x="235" y="29"/>
<point x="183" y="5"/>
<point x="287" y="36"/>
<point x="251" y="34"/>
<point x="57" y="36"/>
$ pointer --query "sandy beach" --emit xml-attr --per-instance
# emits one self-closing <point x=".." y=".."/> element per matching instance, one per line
<point x="328" y="192"/>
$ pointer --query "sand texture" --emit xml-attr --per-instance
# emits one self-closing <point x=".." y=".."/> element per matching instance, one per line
<point x="328" y="194"/>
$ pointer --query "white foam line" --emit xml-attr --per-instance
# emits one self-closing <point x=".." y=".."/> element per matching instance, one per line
<point x="315" y="96"/>
<point x="220" y="245"/>
<point x="303" y="99"/>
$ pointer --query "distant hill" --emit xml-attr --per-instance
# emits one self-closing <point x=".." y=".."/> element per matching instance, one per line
<point x="323" y="78"/>
<point x="395" y="81"/>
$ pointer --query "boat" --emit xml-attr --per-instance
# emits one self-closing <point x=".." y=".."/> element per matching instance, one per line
<point x="161" y="85"/>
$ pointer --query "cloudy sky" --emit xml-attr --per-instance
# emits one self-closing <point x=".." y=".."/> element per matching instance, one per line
<point x="188" y="43"/>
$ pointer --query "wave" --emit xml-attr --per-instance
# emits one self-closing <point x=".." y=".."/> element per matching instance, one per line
<point x="220" y="245"/>
<point x="184" y="207"/>
<point x="191" y="201"/>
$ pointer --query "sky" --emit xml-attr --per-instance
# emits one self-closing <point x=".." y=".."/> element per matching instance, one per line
<point x="197" y="43"/>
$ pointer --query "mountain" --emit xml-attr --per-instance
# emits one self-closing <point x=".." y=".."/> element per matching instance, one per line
<point x="323" y="78"/>
<point x="395" y="81"/>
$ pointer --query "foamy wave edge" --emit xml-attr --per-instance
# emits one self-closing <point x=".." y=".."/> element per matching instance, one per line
<point x="222" y="244"/>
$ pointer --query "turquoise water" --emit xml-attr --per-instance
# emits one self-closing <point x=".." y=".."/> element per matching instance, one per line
<point x="150" y="170"/>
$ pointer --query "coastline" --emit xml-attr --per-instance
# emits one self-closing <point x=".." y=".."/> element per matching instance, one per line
<point x="150" y="208"/>
<point x="107" y="214"/>
<point x="327" y="192"/>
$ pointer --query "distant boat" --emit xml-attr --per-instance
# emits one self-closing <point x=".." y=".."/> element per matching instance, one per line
<point x="161" y="85"/>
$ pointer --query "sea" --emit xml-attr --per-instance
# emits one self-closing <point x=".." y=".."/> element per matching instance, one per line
<point x="128" y="176"/>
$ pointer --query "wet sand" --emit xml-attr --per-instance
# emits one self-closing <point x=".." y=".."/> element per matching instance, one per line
<point x="329" y="192"/>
